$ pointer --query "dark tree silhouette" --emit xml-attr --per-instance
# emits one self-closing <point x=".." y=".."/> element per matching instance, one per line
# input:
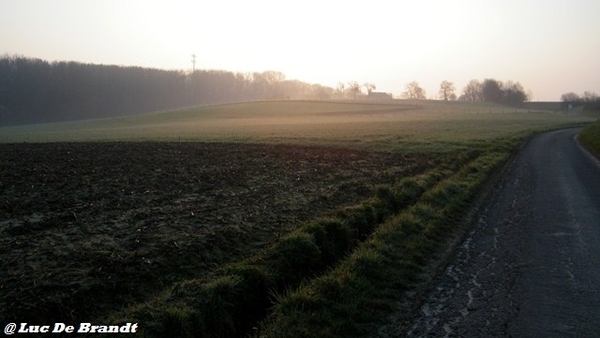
<point x="491" y="90"/>
<point x="589" y="100"/>
<point x="36" y="91"/>
<point x="513" y="94"/>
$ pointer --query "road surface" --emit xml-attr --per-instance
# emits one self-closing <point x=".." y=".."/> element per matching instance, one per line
<point x="530" y="267"/>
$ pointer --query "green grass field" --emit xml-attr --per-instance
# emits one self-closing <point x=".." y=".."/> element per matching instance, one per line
<point x="400" y="125"/>
<point x="590" y="136"/>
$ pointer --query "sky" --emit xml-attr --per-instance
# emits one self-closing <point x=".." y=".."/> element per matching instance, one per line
<point x="550" y="47"/>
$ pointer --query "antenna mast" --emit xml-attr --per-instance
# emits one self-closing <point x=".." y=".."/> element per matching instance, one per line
<point x="193" y="63"/>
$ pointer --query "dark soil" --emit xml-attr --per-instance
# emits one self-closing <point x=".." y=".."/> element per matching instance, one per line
<point x="88" y="228"/>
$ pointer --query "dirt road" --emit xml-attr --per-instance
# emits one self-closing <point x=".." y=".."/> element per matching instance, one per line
<point x="530" y="267"/>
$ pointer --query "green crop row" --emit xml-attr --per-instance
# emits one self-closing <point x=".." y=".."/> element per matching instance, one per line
<point x="366" y="286"/>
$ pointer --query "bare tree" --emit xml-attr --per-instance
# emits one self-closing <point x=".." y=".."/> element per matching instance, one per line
<point x="592" y="101"/>
<point x="271" y="76"/>
<point x="589" y="96"/>
<point x="473" y="91"/>
<point x="589" y="100"/>
<point x="341" y="89"/>
<point x="447" y="91"/>
<point x="414" y="91"/>
<point x="354" y="88"/>
<point x="369" y="87"/>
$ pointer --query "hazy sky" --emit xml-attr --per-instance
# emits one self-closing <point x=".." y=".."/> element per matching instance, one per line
<point x="551" y="47"/>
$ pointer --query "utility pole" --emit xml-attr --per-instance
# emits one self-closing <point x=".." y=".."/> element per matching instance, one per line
<point x="193" y="63"/>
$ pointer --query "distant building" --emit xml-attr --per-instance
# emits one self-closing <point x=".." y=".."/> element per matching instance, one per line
<point x="379" y="96"/>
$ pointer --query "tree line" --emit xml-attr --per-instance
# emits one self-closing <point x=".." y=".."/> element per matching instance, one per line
<point x="589" y="100"/>
<point x="489" y="90"/>
<point x="37" y="91"/>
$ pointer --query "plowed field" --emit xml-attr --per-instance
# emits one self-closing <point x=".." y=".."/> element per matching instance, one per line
<point x="88" y="228"/>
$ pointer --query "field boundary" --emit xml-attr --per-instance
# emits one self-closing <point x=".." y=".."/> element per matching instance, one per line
<point x="589" y="139"/>
<point x="417" y="236"/>
<point x="434" y="270"/>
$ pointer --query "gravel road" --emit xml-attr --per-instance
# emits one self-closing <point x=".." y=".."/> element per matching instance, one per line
<point x="530" y="267"/>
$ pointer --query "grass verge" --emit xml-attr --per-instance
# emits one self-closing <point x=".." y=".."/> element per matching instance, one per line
<point x="590" y="137"/>
<point x="366" y="286"/>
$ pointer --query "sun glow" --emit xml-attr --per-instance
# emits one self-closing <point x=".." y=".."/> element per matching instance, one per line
<point x="388" y="43"/>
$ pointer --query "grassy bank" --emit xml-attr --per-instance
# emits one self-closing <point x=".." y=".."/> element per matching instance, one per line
<point x="350" y="300"/>
<point x="590" y="137"/>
